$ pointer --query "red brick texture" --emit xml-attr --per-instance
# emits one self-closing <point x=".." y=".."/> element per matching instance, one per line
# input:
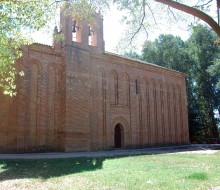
<point x="74" y="94"/>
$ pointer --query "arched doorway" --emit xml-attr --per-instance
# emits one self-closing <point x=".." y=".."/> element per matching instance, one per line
<point x="119" y="136"/>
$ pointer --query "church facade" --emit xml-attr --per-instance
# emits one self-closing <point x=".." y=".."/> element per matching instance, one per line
<point x="74" y="96"/>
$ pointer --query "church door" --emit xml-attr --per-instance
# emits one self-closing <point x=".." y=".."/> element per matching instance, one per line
<point x="118" y="136"/>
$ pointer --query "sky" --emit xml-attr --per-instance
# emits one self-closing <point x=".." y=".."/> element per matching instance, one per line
<point x="113" y="32"/>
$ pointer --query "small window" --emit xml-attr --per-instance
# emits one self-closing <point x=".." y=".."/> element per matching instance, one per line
<point x="137" y="86"/>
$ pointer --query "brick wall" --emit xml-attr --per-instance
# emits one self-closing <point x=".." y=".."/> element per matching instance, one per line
<point x="73" y="95"/>
<point x="30" y="121"/>
<point x="149" y="101"/>
<point x="73" y="101"/>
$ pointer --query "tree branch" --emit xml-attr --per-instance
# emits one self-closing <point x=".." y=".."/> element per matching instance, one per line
<point x="141" y="23"/>
<point x="193" y="11"/>
<point x="155" y="21"/>
<point x="201" y="5"/>
<point x="170" y="11"/>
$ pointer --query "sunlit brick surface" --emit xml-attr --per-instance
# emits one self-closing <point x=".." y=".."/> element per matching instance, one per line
<point x="74" y="94"/>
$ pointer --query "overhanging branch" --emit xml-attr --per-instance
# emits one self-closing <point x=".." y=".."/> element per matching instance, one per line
<point x="193" y="11"/>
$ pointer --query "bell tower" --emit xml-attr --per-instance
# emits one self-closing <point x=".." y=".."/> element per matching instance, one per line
<point x="82" y="33"/>
<point x="82" y="40"/>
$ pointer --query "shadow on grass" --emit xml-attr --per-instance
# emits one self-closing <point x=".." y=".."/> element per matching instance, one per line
<point x="19" y="169"/>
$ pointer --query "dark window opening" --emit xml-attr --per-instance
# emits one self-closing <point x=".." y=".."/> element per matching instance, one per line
<point x="137" y="86"/>
<point x="118" y="136"/>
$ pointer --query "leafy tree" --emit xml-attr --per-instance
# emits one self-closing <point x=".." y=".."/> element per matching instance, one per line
<point x="132" y="54"/>
<point x="214" y="71"/>
<point x="167" y="51"/>
<point x="204" y="53"/>
<point x="15" y="18"/>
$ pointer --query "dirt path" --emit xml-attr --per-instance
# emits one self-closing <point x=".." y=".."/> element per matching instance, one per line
<point x="185" y="149"/>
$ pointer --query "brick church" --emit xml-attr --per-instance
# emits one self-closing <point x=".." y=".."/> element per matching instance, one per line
<point x="77" y="97"/>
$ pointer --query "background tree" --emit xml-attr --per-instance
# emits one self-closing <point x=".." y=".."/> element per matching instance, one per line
<point x="214" y="70"/>
<point x="167" y="51"/>
<point x="204" y="53"/>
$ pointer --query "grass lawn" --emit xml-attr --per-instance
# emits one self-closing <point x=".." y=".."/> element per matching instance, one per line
<point x="161" y="171"/>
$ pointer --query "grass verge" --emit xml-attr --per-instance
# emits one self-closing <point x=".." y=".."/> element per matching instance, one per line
<point x="161" y="171"/>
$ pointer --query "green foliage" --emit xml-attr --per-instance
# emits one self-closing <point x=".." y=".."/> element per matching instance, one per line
<point x="132" y="54"/>
<point x="214" y="70"/>
<point x="168" y="51"/>
<point x="84" y="8"/>
<point x="9" y="52"/>
<point x="205" y="53"/>
<point x="16" y="18"/>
